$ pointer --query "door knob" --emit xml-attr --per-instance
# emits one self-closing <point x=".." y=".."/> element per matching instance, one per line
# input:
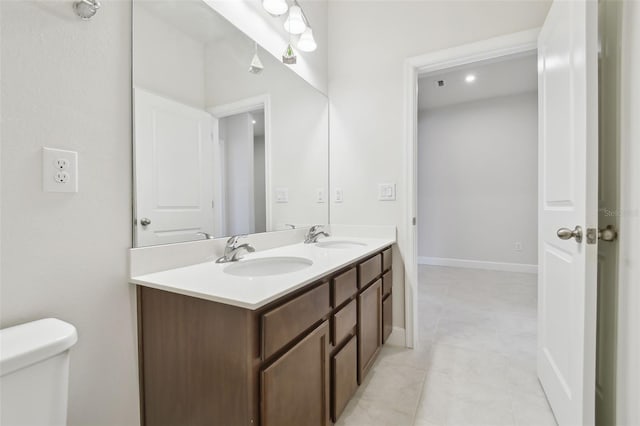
<point x="567" y="234"/>
<point x="145" y="221"/>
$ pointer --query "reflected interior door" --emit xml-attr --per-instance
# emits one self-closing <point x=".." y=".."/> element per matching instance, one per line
<point x="567" y="87"/>
<point x="173" y="170"/>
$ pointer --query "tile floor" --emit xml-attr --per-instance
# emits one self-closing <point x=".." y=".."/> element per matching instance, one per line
<point x="475" y="363"/>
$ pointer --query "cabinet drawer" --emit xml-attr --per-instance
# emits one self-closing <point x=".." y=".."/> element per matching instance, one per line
<point x="387" y="317"/>
<point x="286" y="322"/>
<point x="386" y="259"/>
<point x="387" y="283"/>
<point x="343" y="321"/>
<point x="344" y="286"/>
<point x="344" y="370"/>
<point x="369" y="270"/>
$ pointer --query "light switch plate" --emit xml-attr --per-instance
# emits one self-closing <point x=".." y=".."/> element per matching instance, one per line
<point x="282" y="195"/>
<point x="387" y="192"/>
<point x="320" y="195"/>
<point x="59" y="170"/>
<point x="338" y="195"/>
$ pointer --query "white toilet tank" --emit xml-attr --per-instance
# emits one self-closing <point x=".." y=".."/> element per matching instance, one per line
<point x="34" y="372"/>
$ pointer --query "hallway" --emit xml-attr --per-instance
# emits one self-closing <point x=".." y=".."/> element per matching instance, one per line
<point x="475" y="362"/>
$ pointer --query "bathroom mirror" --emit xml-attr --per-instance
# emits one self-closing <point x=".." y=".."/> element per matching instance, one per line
<point x="224" y="144"/>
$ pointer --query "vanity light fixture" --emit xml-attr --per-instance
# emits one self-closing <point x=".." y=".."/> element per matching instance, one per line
<point x="85" y="9"/>
<point x="295" y="23"/>
<point x="275" y="7"/>
<point x="306" y="42"/>
<point x="470" y="78"/>
<point x="256" y="66"/>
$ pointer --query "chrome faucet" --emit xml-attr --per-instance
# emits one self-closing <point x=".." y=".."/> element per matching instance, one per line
<point x="314" y="233"/>
<point x="232" y="249"/>
<point x="206" y="235"/>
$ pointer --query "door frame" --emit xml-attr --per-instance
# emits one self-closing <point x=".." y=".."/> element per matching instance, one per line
<point x="248" y="105"/>
<point x="506" y="45"/>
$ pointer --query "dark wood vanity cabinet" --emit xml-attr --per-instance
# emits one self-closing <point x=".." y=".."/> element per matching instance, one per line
<point x="295" y="361"/>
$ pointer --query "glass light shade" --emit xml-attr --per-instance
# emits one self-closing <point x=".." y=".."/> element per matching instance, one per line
<point x="307" y="43"/>
<point x="275" y="7"/>
<point x="295" y="22"/>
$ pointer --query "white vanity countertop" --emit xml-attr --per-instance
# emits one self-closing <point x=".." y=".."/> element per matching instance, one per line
<point x="208" y="280"/>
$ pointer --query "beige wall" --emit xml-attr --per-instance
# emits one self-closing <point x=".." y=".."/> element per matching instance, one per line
<point x="368" y="43"/>
<point x="67" y="84"/>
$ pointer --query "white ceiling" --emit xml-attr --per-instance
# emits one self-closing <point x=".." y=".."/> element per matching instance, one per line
<point x="510" y="76"/>
<point x="192" y="17"/>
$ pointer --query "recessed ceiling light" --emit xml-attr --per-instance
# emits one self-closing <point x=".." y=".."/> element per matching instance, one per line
<point x="470" y="78"/>
<point x="253" y="121"/>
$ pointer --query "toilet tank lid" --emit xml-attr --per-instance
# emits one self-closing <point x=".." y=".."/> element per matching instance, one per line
<point x="32" y="342"/>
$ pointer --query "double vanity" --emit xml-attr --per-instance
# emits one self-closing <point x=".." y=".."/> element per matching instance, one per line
<point x="283" y="336"/>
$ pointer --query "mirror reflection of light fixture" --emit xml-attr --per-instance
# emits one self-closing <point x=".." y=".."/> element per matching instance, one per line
<point x="289" y="56"/>
<point x="295" y="22"/>
<point x="256" y="66"/>
<point x="306" y="42"/>
<point x="275" y="7"/>
<point x="85" y="9"/>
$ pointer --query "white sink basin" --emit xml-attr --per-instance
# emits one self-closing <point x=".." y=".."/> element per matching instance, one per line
<point x="267" y="266"/>
<point x="339" y="244"/>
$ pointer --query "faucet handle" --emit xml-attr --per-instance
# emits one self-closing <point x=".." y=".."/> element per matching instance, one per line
<point x="234" y="239"/>
<point x="314" y="228"/>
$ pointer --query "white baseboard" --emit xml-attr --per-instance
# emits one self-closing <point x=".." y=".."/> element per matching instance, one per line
<point x="397" y="337"/>
<point x="478" y="264"/>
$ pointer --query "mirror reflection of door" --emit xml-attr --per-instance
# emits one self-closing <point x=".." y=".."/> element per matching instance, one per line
<point x="174" y="181"/>
<point x="242" y="143"/>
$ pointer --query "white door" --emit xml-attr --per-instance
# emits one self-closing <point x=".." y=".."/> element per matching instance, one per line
<point x="173" y="170"/>
<point x="568" y="132"/>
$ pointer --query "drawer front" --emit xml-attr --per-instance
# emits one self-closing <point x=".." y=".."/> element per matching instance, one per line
<point x="386" y="259"/>
<point x="369" y="270"/>
<point x="387" y="283"/>
<point x="387" y="317"/>
<point x="343" y="321"/>
<point x="286" y="322"/>
<point x="344" y="371"/>
<point x="344" y="286"/>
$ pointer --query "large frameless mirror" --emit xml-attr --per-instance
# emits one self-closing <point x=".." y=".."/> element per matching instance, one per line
<point x="227" y="139"/>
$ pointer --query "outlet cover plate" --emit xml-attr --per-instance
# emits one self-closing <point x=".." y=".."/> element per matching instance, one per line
<point x="59" y="170"/>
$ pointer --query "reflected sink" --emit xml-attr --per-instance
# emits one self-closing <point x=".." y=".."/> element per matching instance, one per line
<point x="339" y="244"/>
<point x="267" y="266"/>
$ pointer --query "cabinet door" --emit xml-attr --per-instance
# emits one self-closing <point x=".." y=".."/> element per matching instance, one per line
<point x="387" y="317"/>
<point x="295" y="388"/>
<point x="344" y="376"/>
<point x="369" y="327"/>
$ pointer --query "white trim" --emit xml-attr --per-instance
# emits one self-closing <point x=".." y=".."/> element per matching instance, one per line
<point x="246" y="105"/>
<point x="511" y="44"/>
<point x="628" y="352"/>
<point x="397" y="337"/>
<point x="478" y="264"/>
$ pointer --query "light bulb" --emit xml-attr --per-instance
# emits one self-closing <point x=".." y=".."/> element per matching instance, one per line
<point x="295" y="22"/>
<point x="307" y="43"/>
<point x="470" y="78"/>
<point x="275" y="7"/>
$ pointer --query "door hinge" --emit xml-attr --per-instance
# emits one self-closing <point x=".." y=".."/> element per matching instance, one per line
<point x="414" y="221"/>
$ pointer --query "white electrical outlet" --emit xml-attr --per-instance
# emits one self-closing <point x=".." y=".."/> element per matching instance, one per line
<point x="387" y="192"/>
<point x="517" y="246"/>
<point x="59" y="170"/>
<point x="338" y="196"/>
<point x="320" y="195"/>
<point x="282" y="195"/>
